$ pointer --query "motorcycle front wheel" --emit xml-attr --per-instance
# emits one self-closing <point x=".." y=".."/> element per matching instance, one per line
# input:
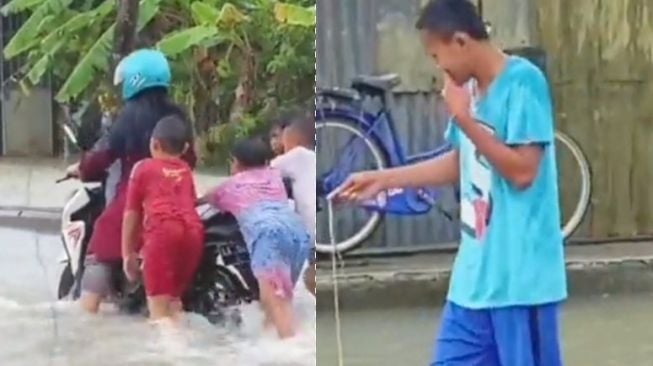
<point x="66" y="282"/>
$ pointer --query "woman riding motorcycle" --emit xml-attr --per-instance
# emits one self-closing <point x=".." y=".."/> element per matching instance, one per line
<point x="145" y="76"/>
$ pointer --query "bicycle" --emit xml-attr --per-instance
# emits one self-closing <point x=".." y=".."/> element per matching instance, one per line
<point x="375" y="133"/>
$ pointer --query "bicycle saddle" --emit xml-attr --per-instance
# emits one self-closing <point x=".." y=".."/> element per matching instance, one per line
<point x="338" y="94"/>
<point x="378" y="83"/>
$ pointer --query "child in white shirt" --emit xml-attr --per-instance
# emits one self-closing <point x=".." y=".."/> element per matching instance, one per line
<point x="298" y="162"/>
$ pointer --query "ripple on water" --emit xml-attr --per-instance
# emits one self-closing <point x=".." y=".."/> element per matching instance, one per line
<point x="30" y="335"/>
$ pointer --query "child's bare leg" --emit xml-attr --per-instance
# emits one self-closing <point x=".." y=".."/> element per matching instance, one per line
<point x="90" y="302"/>
<point x="282" y="315"/>
<point x="159" y="307"/>
<point x="267" y="318"/>
<point x="176" y="309"/>
<point x="176" y="306"/>
<point x="278" y="308"/>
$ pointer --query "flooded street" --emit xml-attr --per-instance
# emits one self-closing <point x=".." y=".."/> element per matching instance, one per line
<point x="36" y="330"/>
<point x="602" y="331"/>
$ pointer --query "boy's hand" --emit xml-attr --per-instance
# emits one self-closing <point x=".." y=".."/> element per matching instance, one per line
<point x="72" y="171"/>
<point x="458" y="100"/>
<point x="131" y="267"/>
<point x="362" y="186"/>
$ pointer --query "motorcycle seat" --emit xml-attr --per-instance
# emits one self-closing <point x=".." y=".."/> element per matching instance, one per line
<point x="222" y="231"/>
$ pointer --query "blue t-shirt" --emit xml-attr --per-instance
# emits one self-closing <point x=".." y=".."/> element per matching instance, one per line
<point x="511" y="250"/>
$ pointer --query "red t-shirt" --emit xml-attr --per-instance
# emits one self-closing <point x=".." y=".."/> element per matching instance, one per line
<point x="162" y="190"/>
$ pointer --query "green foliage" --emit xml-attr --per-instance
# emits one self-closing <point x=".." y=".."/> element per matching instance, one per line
<point x="234" y="62"/>
<point x="18" y="6"/>
<point x="295" y="15"/>
<point x="96" y="61"/>
<point x="27" y="36"/>
<point x="204" y="14"/>
<point x="180" y="41"/>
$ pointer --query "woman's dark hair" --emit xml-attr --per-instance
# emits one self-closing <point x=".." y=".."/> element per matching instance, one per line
<point x="252" y="152"/>
<point x="132" y="130"/>
<point x="446" y="17"/>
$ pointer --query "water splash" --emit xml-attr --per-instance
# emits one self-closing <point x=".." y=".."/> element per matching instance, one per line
<point x="111" y="339"/>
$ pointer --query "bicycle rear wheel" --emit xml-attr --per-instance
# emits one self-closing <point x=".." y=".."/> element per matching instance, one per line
<point x="344" y="149"/>
<point x="575" y="183"/>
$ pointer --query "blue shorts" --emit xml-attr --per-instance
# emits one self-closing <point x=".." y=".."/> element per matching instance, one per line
<point x="512" y="336"/>
<point x="277" y="240"/>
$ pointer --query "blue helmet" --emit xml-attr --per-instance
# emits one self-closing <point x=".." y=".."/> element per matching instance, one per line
<point x="140" y="70"/>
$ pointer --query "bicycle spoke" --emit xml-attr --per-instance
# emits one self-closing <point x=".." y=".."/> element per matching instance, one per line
<point x="345" y="149"/>
<point x="352" y="152"/>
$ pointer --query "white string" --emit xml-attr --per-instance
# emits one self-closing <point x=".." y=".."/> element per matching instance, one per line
<point x="334" y="279"/>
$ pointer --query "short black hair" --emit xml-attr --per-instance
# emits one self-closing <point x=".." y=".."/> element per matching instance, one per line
<point x="289" y="116"/>
<point x="446" y="17"/>
<point x="172" y="134"/>
<point x="305" y="128"/>
<point x="279" y="125"/>
<point x="280" y="122"/>
<point x="252" y="152"/>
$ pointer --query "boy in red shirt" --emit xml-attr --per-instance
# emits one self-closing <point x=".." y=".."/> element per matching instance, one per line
<point x="161" y="205"/>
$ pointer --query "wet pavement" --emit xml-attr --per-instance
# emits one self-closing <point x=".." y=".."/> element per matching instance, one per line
<point x="36" y="330"/>
<point x="597" y="331"/>
<point x="423" y="279"/>
<point x="30" y="183"/>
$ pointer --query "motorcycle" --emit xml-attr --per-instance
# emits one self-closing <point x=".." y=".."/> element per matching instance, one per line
<point x="223" y="280"/>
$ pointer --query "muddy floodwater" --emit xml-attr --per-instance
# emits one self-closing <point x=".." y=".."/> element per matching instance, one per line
<point x="35" y="330"/>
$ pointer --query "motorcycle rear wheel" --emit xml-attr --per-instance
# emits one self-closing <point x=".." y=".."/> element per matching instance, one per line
<point x="213" y="298"/>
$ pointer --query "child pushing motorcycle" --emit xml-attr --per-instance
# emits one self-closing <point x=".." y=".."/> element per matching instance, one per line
<point x="161" y="205"/>
<point x="276" y="238"/>
<point x="298" y="162"/>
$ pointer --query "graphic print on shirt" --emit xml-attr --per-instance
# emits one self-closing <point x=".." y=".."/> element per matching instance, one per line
<point x="174" y="174"/>
<point x="476" y="193"/>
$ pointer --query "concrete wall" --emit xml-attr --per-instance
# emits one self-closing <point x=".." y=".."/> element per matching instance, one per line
<point x="27" y="123"/>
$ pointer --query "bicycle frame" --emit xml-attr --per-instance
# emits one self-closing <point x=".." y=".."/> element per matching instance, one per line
<point x="379" y="128"/>
<point x="373" y="125"/>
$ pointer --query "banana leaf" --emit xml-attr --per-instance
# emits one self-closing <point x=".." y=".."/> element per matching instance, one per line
<point x="204" y="14"/>
<point x="25" y="37"/>
<point x="17" y="6"/>
<point x="178" y="42"/>
<point x="231" y="16"/>
<point x="97" y="58"/>
<point x="39" y="69"/>
<point x="295" y="14"/>
<point x="76" y="23"/>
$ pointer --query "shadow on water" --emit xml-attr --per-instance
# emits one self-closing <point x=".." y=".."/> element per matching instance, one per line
<point x="35" y="330"/>
<point x="598" y="331"/>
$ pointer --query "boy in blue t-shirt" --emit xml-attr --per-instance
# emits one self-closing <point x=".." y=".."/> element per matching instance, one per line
<point x="509" y="275"/>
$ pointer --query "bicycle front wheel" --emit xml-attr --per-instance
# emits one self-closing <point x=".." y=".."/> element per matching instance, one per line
<point x="344" y="149"/>
<point x="575" y="183"/>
